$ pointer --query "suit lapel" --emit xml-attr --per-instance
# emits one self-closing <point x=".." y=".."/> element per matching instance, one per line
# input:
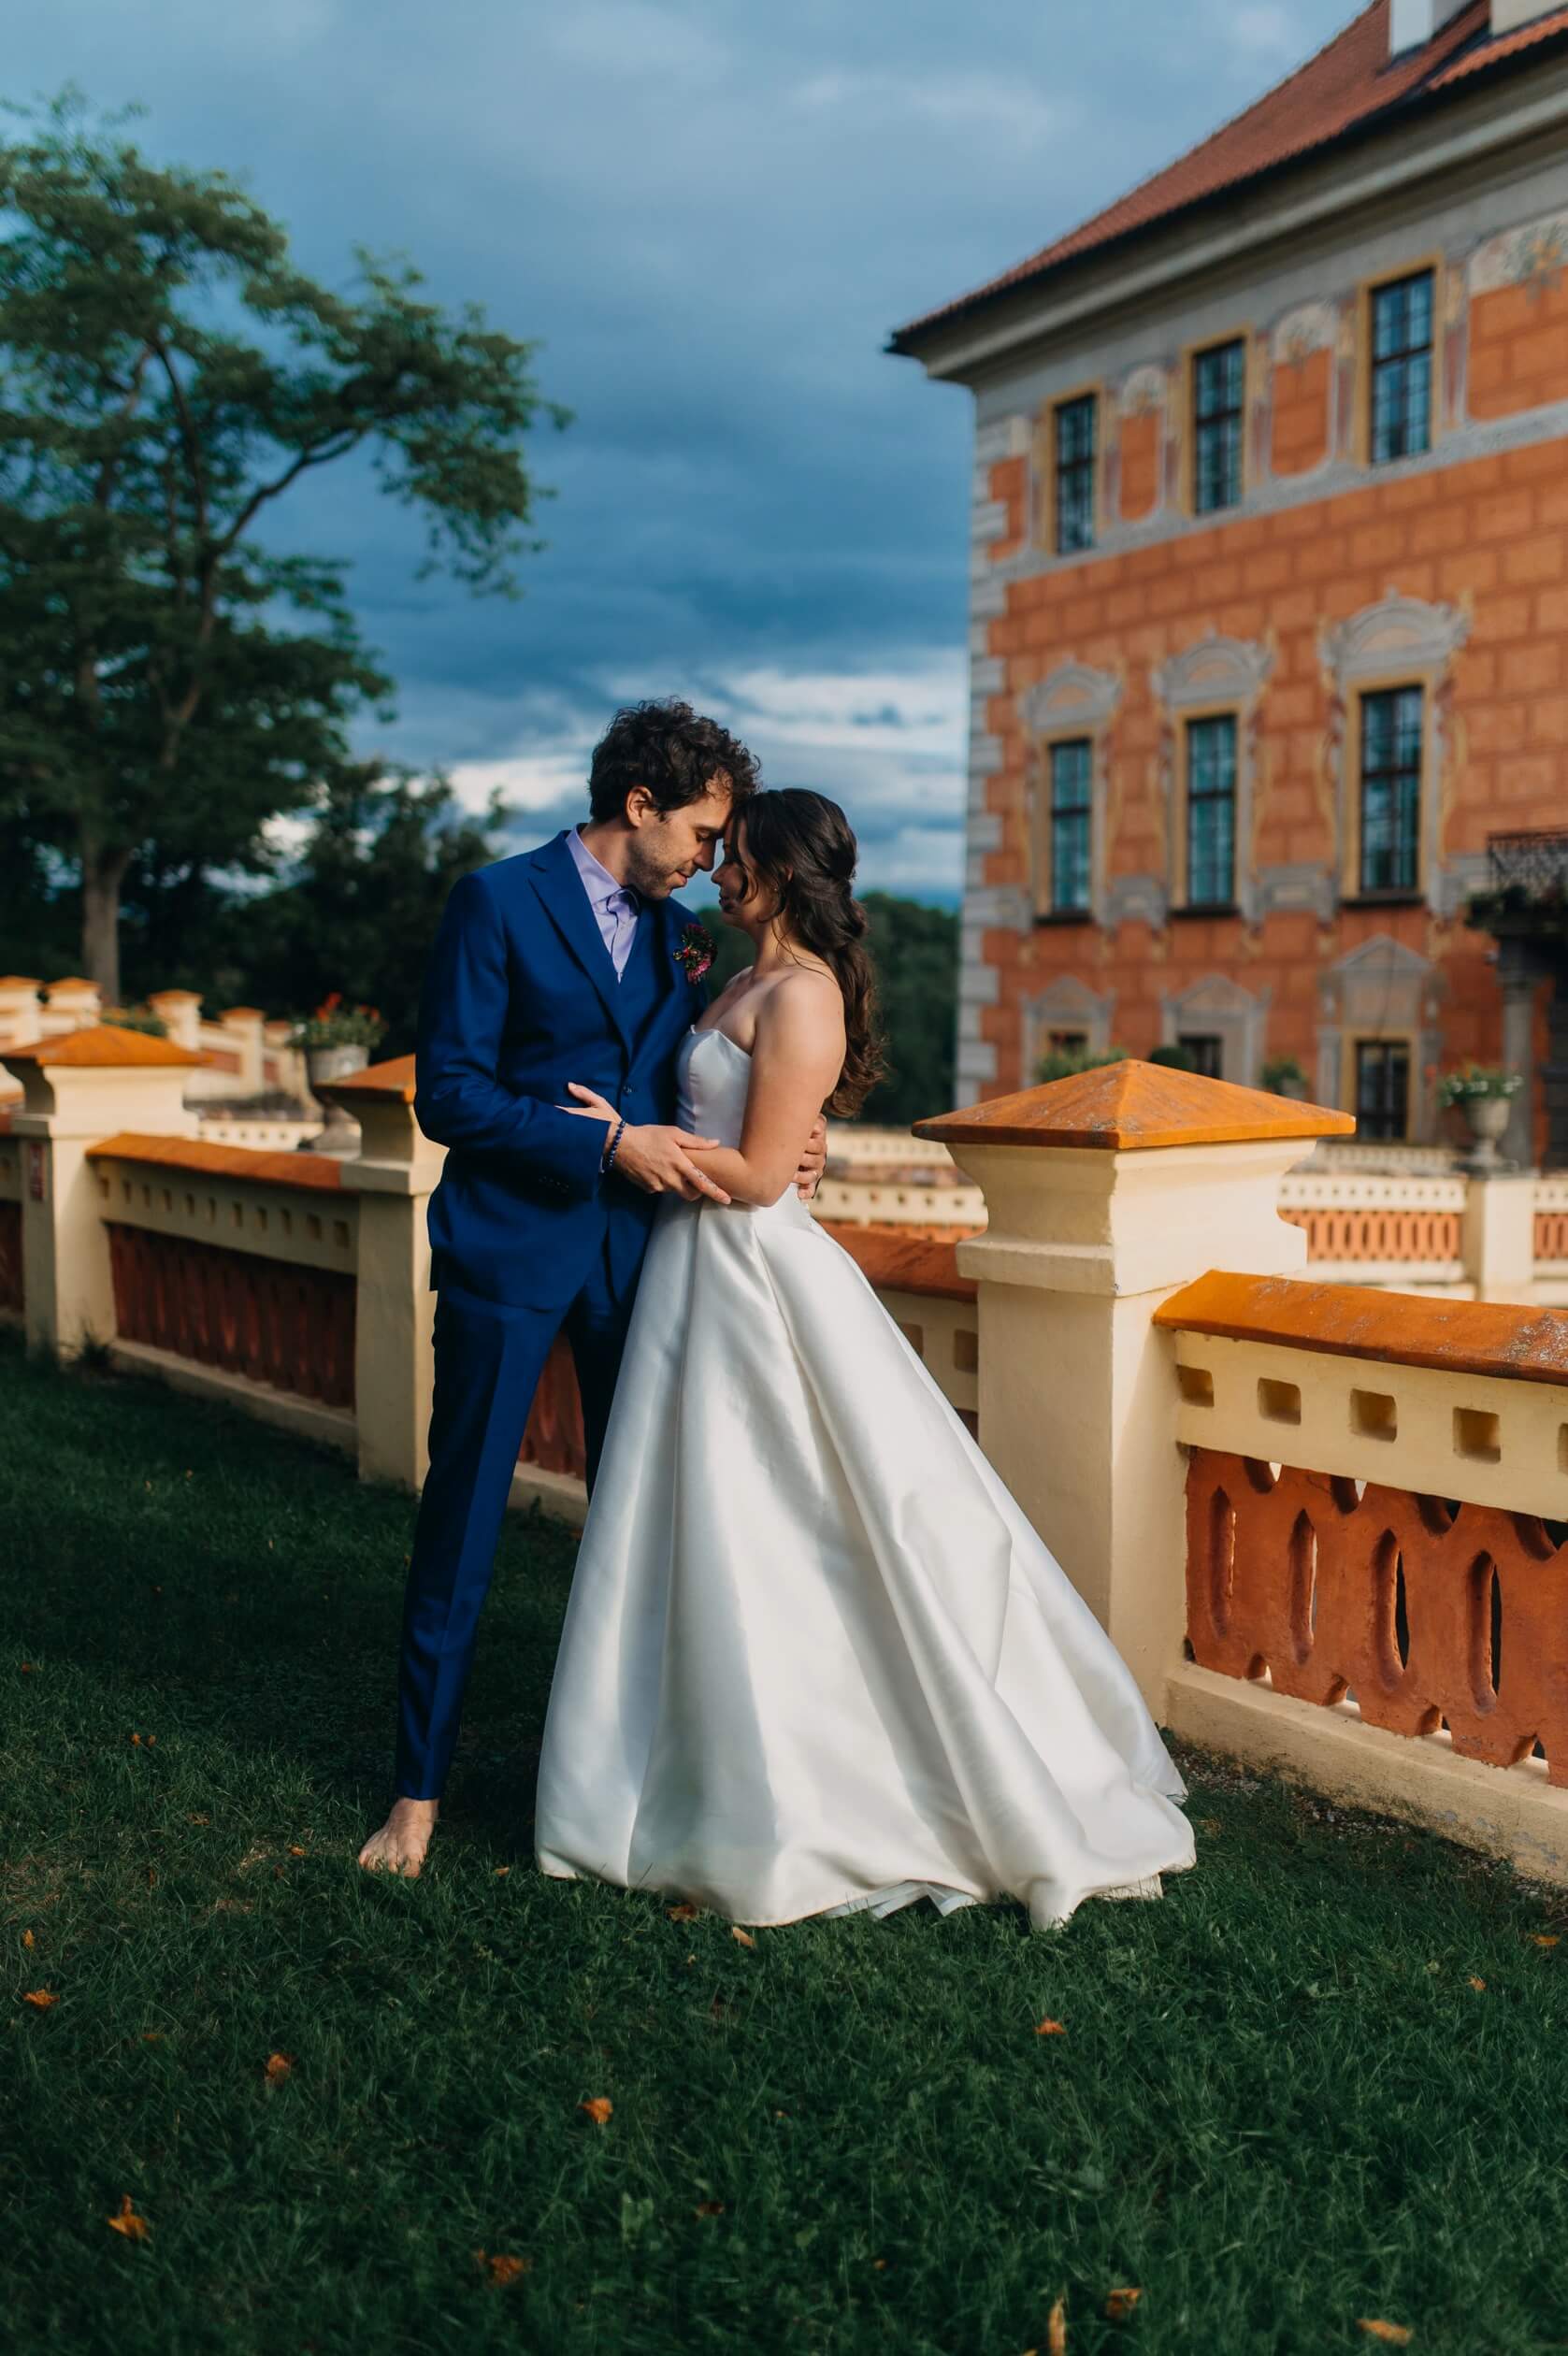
<point x="555" y="880"/>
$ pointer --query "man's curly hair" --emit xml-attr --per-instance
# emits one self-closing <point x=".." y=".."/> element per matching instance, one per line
<point x="672" y="752"/>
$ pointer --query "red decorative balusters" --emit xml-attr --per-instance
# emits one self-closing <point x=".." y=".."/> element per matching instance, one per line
<point x="1422" y="1613"/>
<point x="553" y="1439"/>
<point x="1358" y="1232"/>
<point x="288" y="1327"/>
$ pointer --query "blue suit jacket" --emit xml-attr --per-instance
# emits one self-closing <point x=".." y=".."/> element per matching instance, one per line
<point x="521" y="996"/>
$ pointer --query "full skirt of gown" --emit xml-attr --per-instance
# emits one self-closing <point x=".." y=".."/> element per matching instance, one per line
<point x="815" y="1658"/>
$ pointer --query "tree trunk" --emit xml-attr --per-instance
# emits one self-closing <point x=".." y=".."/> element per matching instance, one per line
<point x="102" y="874"/>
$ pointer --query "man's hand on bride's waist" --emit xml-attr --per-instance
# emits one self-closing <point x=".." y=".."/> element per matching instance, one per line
<point x="654" y="1157"/>
<point x="813" y="1161"/>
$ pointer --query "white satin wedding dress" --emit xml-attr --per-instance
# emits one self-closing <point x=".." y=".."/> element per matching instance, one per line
<point x="815" y="1658"/>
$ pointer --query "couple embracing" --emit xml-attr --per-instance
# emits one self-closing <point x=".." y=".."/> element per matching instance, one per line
<point x="814" y="1659"/>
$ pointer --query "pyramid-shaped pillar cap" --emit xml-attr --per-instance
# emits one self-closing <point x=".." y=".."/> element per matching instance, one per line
<point x="1131" y="1107"/>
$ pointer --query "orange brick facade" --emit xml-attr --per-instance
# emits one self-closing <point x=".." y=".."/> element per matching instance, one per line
<point x="1447" y="571"/>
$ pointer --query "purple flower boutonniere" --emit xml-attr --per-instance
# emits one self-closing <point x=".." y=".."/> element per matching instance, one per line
<point x="696" y="953"/>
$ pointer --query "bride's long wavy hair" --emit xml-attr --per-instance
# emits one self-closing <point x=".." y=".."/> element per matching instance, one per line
<point x="801" y="847"/>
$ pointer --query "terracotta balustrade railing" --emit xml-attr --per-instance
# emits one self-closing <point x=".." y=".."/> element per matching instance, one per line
<point x="234" y="1259"/>
<point x="1368" y="1223"/>
<point x="1374" y="1489"/>
<point x="1551" y="1222"/>
<point x="553" y="1442"/>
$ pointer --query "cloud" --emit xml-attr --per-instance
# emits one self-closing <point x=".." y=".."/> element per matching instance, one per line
<point x="710" y="215"/>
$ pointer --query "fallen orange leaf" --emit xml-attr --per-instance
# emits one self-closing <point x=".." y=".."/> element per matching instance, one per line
<point x="502" y="2268"/>
<point x="295" y="1850"/>
<point x="27" y="1668"/>
<point x="684" y="1912"/>
<point x="27" y="1938"/>
<point x="1392" y="2335"/>
<point x="501" y="1872"/>
<point x="1050" y="2029"/>
<point x="1476" y="1984"/>
<point x="1545" y="1938"/>
<point x="136" y="1738"/>
<point x="1120" y="2304"/>
<point x="709" y="2208"/>
<point x="41" y="1997"/>
<point x="1056" y="2330"/>
<point x="134" y="2228"/>
<point x="153" y="2036"/>
<point x="744" y="1936"/>
<point x="279" y="2066"/>
<point x="198" y="1819"/>
<point x="599" y="2108"/>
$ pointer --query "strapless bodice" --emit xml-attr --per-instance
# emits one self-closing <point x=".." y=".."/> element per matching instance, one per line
<point x="713" y="1077"/>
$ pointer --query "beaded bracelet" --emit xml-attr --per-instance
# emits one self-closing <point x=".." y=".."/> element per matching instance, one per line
<point x="614" y="1149"/>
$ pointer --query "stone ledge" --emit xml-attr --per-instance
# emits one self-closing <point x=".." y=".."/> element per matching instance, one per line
<point x="1510" y="1812"/>
<point x="1359" y="1321"/>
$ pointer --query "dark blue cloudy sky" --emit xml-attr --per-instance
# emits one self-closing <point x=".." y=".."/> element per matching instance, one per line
<point x="711" y="212"/>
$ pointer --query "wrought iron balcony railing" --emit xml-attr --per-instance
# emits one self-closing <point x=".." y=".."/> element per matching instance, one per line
<point x="1535" y="863"/>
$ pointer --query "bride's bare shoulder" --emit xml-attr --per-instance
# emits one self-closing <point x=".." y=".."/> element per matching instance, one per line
<point x="805" y="1000"/>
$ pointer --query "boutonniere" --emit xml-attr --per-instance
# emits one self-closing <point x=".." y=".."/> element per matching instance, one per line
<point x="697" y="952"/>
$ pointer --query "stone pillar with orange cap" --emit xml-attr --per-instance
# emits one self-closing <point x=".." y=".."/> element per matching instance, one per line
<point x="179" y="1013"/>
<point x="393" y="1174"/>
<point x="77" y="1088"/>
<point x="242" y="1026"/>
<point x="1104" y="1193"/>
<point x="20" y="1009"/>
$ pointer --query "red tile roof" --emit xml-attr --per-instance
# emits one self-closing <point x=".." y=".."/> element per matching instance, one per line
<point x="1349" y="83"/>
<point x="1524" y="38"/>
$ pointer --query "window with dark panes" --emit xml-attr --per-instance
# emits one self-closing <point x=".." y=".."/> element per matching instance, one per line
<point x="1206" y="1050"/>
<point x="1392" y="789"/>
<point x="1218" y="414"/>
<point x="1401" y="360"/>
<point x="1076" y="437"/>
<point x="1382" y="1088"/>
<point x="1211" y="811"/>
<point x="1071" y="789"/>
<point x="1066" y="1043"/>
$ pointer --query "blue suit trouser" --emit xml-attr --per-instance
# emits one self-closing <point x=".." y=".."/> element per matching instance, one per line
<point x="488" y="1361"/>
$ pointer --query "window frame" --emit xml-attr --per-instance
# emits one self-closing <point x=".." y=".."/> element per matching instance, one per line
<point x="1088" y="466"/>
<point x="1058" y="907"/>
<point x="1358" y="1043"/>
<point x="1240" y="340"/>
<point x="1421" y="266"/>
<point x="1204" y="716"/>
<point x="1048" y="532"/>
<point x="1356" y="888"/>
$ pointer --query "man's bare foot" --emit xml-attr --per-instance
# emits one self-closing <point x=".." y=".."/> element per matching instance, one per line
<point x="400" y="1844"/>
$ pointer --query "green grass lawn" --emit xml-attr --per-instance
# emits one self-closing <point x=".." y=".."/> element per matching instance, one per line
<point x="1283" y="2100"/>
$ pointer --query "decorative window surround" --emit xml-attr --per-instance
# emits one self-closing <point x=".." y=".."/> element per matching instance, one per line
<point x="1066" y="1005"/>
<point x="1216" y="1004"/>
<point x="1381" y="991"/>
<point x="1072" y="701"/>
<point x="1218" y="675"/>
<point x="1400" y="642"/>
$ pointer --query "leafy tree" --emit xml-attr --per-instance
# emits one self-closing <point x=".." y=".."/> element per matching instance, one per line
<point x="167" y="376"/>
<point x="359" y="911"/>
<point x="915" y="952"/>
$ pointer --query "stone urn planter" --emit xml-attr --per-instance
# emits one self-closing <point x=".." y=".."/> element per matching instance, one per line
<point x="1488" y="1117"/>
<point x="341" y="1133"/>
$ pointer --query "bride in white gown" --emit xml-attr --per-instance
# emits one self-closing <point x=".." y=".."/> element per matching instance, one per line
<point x="815" y="1658"/>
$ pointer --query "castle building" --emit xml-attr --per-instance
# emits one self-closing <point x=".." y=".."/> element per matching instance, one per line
<point x="1269" y="600"/>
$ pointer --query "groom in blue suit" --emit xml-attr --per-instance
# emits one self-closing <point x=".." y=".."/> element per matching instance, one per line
<point x="570" y="964"/>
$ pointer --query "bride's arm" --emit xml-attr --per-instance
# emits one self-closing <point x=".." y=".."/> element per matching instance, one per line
<point x="797" y="1057"/>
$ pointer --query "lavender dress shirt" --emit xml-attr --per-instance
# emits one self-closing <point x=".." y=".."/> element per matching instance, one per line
<point x="616" y="908"/>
